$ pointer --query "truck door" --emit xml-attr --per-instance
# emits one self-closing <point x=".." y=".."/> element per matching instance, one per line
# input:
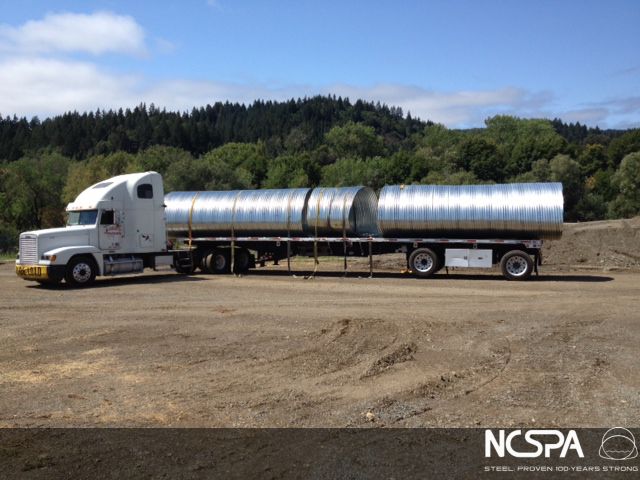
<point x="145" y="221"/>
<point x="111" y="229"/>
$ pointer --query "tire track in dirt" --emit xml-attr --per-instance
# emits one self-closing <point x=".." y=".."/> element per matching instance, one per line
<point x="427" y="396"/>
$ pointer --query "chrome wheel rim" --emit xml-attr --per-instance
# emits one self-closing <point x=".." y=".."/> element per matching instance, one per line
<point x="423" y="262"/>
<point x="516" y="266"/>
<point x="81" y="272"/>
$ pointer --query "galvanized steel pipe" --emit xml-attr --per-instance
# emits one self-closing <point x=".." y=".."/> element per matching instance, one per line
<point x="516" y="209"/>
<point x="349" y="209"/>
<point x="530" y="210"/>
<point x="276" y="212"/>
<point x="327" y="211"/>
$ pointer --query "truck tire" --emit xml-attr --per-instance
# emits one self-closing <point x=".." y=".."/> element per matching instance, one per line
<point x="423" y="262"/>
<point x="516" y="265"/>
<point x="185" y="268"/>
<point x="217" y="261"/>
<point x="81" y="271"/>
<point x="202" y="264"/>
<point x="242" y="260"/>
<point x="184" y="262"/>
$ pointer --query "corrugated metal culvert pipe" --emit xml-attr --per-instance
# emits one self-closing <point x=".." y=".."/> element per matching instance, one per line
<point x="329" y="211"/>
<point x="275" y="212"/>
<point x="332" y="211"/>
<point x="530" y="210"/>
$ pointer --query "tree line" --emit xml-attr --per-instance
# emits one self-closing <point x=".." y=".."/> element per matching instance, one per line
<point x="325" y="141"/>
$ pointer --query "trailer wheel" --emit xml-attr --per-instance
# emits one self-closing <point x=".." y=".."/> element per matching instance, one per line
<point x="217" y="261"/>
<point x="516" y="265"/>
<point x="242" y="260"/>
<point x="423" y="262"/>
<point x="202" y="264"/>
<point x="80" y="272"/>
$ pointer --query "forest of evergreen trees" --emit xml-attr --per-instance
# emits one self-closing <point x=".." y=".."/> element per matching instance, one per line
<point x="305" y="142"/>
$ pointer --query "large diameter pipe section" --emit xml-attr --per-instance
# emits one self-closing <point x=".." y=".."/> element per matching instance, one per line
<point x="281" y="212"/>
<point x="528" y="210"/>
<point x="334" y="211"/>
<point x="257" y="212"/>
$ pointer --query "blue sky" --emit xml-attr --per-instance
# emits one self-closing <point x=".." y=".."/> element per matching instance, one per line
<point x="453" y="62"/>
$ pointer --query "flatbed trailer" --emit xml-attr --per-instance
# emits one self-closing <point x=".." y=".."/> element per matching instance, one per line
<point x="518" y="258"/>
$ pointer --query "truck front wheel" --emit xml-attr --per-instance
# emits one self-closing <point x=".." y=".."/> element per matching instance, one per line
<point x="516" y="265"/>
<point x="80" y="272"/>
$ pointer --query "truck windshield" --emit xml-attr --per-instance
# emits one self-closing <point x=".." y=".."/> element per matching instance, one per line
<point x="82" y="217"/>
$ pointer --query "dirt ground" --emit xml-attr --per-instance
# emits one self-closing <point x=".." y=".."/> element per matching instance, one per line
<point x="605" y="244"/>
<point x="271" y="350"/>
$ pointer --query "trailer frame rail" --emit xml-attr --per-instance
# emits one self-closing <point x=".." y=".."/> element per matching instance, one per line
<point x="529" y="243"/>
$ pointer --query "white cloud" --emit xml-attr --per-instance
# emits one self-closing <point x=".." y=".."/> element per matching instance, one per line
<point x="588" y="116"/>
<point x="95" y="33"/>
<point x="455" y="109"/>
<point x="466" y="108"/>
<point x="40" y="76"/>
<point x="47" y="87"/>
<point x="614" y="113"/>
<point x="185" y="94"/>
<point x="627" y="105"/>
<point x="44" y="87"/>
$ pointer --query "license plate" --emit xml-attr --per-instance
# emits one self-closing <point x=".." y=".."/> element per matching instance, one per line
<point x="32" y="272"/>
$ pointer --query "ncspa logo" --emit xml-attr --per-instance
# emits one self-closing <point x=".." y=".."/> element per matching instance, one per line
<point x="533" y="444"/>
<point x="618" y="444"/>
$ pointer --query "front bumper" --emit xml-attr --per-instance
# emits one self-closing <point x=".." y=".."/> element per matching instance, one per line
<point x="41" y="273"/>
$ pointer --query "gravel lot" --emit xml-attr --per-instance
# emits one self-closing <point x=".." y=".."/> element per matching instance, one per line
<point x="268" y="349"/>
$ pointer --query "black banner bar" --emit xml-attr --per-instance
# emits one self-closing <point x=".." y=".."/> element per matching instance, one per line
<point x="120" y="453"/>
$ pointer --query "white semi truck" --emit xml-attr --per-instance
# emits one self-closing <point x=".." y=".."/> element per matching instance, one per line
<point x="118" y="226"/>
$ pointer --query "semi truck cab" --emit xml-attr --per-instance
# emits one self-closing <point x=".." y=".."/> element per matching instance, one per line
<point x="114" y="227"/>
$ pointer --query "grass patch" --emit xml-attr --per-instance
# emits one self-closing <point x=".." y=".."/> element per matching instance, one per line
<point x="7" y="257"/>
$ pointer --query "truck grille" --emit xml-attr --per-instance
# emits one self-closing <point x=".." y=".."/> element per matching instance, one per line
<point x="28" y="249"/>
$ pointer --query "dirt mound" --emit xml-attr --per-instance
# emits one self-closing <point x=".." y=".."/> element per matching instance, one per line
<point x="344" y="344"/>
<point x="604" y="244"/>
<point x="403" y="353"/>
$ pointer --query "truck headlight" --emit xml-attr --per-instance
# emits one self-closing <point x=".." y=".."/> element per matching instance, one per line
<point x="51" y="258"/>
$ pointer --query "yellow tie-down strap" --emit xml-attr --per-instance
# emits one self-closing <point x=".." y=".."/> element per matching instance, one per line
<point x="193" y="203"/>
